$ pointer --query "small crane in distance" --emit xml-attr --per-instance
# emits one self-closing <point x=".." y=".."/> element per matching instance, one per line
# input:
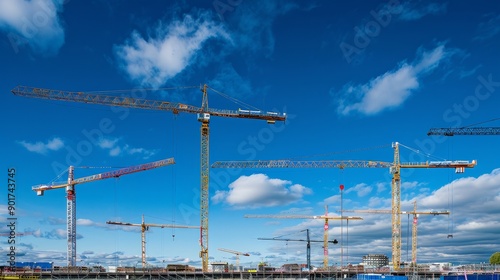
<point x="326" y="226"/>
<point x="308" y="240"/>
<point x="465" y="130"/>
<point x="204" y="113"/>
<point x="144" y="228"/>
<point x="238" y="254"/>
<point x="394" y="168"/>
<point x="415" y="214"/>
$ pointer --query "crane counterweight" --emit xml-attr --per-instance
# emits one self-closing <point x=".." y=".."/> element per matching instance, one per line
<point x="204" y="113"/>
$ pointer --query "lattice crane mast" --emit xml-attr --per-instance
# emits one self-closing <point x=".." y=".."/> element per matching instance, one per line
<point x="145" y="227"/>
<point x="203" y="114"/>
<point x="415" y="214"/>
<point x="238" y="254"/>
<point x="325" y="217"/>
<point x="394" y="168"/>
<point x="449" y="131"/>
<point x="71" y="196"/>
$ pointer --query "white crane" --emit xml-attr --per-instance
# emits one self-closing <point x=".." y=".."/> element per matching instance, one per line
<point x="238" y="254"/>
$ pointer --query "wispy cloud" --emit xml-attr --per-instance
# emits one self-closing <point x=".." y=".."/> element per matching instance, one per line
<point x="258" y="190"/>
<point x="114" y="148"/>
<point x="414" y="11"/>
<point x="232" y="82"/>
<point x="53" y="234"/>
<point x="361" y="189"/>
<point x="35" y="23"/>
<point x="253" y="24"/>
<point x="152" y="61"/>
<point x="53" y="221"/>
<point x="392" y="88"/>
<point x="53" y="144"/>
<point x="489" y="28"/>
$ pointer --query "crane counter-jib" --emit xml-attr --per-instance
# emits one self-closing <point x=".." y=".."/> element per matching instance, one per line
<point x="203" y="113"/>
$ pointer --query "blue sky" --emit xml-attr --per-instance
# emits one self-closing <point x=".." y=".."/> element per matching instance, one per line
<point x="352" y="77"/>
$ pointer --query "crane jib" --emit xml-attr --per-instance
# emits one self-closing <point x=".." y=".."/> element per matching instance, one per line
<point x="132" y="169"/>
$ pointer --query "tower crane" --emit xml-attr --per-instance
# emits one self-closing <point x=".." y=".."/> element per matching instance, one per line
<point x="325" y="217"/>
<point x="415" y="214"/>
<point x="144" y="228"/>
<point x="203" y="114"/>
<point x="308" y="240"/>
<point x="238" y="254"/>
<point x="71" y="196"/>
<point x="464" y="131"/>
<point x="394" y="167"/>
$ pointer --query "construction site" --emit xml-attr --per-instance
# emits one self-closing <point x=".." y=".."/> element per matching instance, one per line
<point x="373" y="267"/>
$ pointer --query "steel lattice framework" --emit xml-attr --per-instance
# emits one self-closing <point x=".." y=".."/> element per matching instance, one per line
<point x="394" y="168"/>
<point x="203" y="114"/>
<point x="464" y="131"/>
<point x="71" y="196"/>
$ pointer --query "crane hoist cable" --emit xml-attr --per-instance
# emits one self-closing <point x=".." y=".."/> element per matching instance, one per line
<point x="339" y="152"/>
<point x="204" y="113"/>
<point x="173" y="178"/>
<point x="474" y="124"/>
<point x="234" y="100"/>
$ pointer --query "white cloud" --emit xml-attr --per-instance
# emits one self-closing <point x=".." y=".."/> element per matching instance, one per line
<point x="53" y="144"/>
<point x="107" y="143"/>
<point x="390" y="89"/>
<point x="411" y="185"/>
<point x="154" y="60"/>
<point x="381" y="187"/>
<point x="361" y="189"/>
<point x="85" y="222"/>
<point x="114" y="148"/>
<point x="116" y="151"/>
<point x="334" y="199"/>
<point x="53" y="234"/>
<point x="258" y="190"/>
<point x="485" y="198"/>
<point x="34" y="22"/>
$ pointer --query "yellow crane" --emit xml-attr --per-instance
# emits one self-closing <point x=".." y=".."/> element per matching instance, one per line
<point x="325" y="217"/>
<point x="238" y="254"/>
<point x="71" y="196"/>
<point x="394" y="167"/>
<point x="144" y="228"/>
<point x="204" y="113"/>
<point x="415" y="214"/>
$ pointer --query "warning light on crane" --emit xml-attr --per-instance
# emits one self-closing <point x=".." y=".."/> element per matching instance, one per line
<point x="394" y="167"/>
<point x="204" y="113"/>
